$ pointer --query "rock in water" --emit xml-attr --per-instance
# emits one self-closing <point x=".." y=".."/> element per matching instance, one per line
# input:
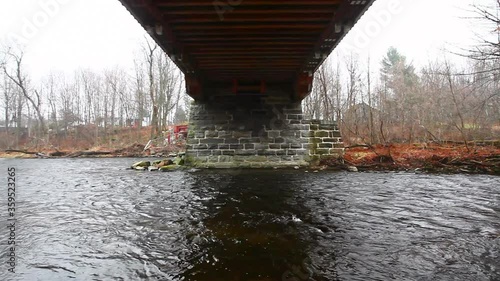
<point x="352" y="169"/>
<point x="139" y="168"/>
<point x="161" y="163"/>
<point x="143" y="164"/>
<point x="169" y="168"/>
<point x="179" y="161"/>
<point x="152" y="168"/>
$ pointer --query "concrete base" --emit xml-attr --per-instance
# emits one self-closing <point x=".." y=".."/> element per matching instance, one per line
<point x="255" y="132"/>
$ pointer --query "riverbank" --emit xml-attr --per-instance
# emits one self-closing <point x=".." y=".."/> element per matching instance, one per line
<point x="135" y="150"/>
<point x="433" y="158"/>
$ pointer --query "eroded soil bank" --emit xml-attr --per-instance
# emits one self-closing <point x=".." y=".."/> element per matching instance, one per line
<point x="449" y="158"/>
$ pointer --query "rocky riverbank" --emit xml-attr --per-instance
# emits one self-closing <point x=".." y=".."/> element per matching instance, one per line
<point x="171" y="163"/>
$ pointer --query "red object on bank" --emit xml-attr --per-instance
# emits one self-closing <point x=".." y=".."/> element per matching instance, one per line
<point x="179" y="132"/>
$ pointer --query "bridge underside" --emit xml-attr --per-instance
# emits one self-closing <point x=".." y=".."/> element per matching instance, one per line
<point x="248" y="64"/>
<point x="231" y="47"/>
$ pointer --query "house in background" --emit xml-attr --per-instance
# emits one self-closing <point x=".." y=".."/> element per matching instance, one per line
<point x="134" y="122"/>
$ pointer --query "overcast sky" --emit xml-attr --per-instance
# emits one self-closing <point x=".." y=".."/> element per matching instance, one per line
<point x="64" y="35"/>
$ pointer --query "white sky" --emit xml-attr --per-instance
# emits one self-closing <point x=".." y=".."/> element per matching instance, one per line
<point x="64" y="35"/>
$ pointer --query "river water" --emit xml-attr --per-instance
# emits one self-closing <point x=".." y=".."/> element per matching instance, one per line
<point x="91" y="219"/>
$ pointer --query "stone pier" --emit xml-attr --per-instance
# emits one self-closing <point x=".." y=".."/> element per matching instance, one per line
<point x="257" y="132"/>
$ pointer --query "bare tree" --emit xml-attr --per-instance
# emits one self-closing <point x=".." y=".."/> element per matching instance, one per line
<point x="12" y="67"/>
<point x="150" y="52"/>
<point x="8" y="95"/>
<point x="488" y="47"/>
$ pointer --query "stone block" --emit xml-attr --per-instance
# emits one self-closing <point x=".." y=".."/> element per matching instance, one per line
<point x="296" y="145"/>
<point x="274" y="134"/>
<point x="290" y="133"/>
<point x="213" y="159"/>
<point x="307" y="134"/>
<point x="257" y="158"/>
<point x="332" y="140"/>
<point x="231" y="141"/>
<point x="328" y="127"/>
<point x="223" y="146"/>
<point x="249" y="146"/>
<point x="239" y="158"/>
<point x="309" y="146"/>
<point x="211" y="141"/>
<point x="274" y="146"/>
<point x="285" y="146"/>
<point x="335" y="134"/>
<point x="225" y="159"/>
<point x="302" y="140"/>
<point x="299" y="127"/>
<point x="297" y="152"/>
<point x="200" y="147"/>
<point x="322" y="151"/>
<point x="212" y="146"/>
<point x="241" y="152"/>
<point x="279" y="140"/>
<point x="301" y="152"/>
<point x="277" y="124"/>
<point x="275" y="159"/>
<point x="294" y="116"/>
<point x="315" y="140"/>
<point x="201" y="159"/>
<point x="249" y="140"/>
<point x="266" y="152"/>
<point x="222" y="127"/>
<point x="321" y="134"/>
<point x="325" y="145"/>
<point x="336" y="151"/>
<point x="202" y="153"/>
<point x="266" y="140"/>
<point x="224" y="134"/>
<point x="236" y="146"/>
<point x="193" y="141"/>
<point x="242" y="134"/>
<point x="259" y="146"/>
<point x="281" y="152"/>
<point x="228" y="152"/>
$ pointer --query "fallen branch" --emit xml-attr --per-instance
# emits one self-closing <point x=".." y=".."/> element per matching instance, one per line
<point x="21" y="151"/>
<point x="88" y="153"/>
<point x="359" y="145"/>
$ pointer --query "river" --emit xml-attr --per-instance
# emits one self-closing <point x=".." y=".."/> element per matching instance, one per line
<point x="92" y="219"/>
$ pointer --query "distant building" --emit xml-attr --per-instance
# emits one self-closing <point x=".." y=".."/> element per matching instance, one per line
<point x="134" y="122"/>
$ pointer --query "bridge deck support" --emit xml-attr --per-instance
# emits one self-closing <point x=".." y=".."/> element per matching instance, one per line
<point x="257" y="132"/>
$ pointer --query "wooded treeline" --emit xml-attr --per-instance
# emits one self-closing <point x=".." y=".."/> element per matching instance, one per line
<point x="89" y="105"/>
<point x="441" y="101"/>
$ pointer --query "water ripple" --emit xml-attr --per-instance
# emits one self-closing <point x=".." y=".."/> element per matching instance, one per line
<point x="91" y="219"/>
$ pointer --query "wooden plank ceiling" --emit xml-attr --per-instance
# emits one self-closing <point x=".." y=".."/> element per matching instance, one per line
<point x="247" y="40"/>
